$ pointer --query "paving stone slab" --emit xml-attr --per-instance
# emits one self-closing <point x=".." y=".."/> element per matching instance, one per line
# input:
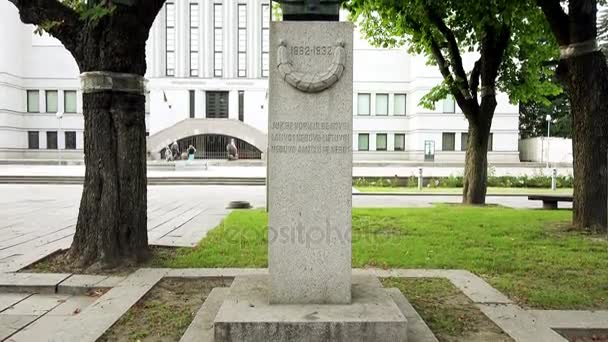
<point x="201" y="328"/>
<point x="7" y="300"/>
<point x="519" y="324"/>
<point x="38" y="304"/>
<point x="79" y="284"/>
<point x="214" y="272"/>
<point x="572" y="319"/>
<point x="9" y="324"/>
<point x="110" y="281"/>
<point x="417" y="330"/>
<point x="43" y="326"/>
<point x="72" y="306"/>
<point x="93" y="321"/>
<point x="31" y="282"/>
<point x="476" y="288"/>
<point x="405" y="273"/>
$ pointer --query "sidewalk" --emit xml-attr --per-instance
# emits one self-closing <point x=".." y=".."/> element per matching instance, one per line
<point x="197" y="170"/>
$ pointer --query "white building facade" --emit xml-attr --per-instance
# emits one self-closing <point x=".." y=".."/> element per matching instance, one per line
<point x="207" y="81"/>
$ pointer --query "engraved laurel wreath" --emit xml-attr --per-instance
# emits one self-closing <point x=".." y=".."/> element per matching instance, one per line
<point x="311" y="82"/>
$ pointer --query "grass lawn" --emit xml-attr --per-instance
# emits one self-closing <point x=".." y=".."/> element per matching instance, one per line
<point x="527" y="254"/>
<point x="491" y="190"/>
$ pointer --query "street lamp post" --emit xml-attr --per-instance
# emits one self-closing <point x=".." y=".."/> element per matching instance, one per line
<point x="548" y="118"/>
<point x="59" y="117"/>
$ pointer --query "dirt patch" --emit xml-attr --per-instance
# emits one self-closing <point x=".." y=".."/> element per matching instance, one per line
<point x="447" y="311"/>
<point x="165" y="312"/>
<point x="584" y="335"/>
<point x="57" y="263"/>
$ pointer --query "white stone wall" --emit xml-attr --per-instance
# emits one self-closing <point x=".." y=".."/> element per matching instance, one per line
<point x="29" y="61"/>
<point x="543" y="149"/>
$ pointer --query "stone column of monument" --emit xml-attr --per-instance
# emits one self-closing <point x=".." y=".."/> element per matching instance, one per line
<point x="310" y="293"/>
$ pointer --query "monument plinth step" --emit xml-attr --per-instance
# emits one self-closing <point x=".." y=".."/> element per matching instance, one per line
<point x="246" y="315"/>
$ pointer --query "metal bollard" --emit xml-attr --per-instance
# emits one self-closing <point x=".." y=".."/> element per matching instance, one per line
<point x="554" y="180"/>
<point x="420" y="179"/>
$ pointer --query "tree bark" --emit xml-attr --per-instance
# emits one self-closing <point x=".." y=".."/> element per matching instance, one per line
<point x="475" y="182"/>
<point x="112" y="222"/>
<point x="586" y="79"/>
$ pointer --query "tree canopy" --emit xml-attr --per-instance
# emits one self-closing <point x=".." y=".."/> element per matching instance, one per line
<point x="449" y="29"/>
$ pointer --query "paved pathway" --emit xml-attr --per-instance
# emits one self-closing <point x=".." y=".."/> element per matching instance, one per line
<point x="59" y="317"/>
<point x="36" y="220"/>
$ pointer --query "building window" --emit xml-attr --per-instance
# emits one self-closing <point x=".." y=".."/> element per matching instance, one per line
<point x="491" y="142"/>
<point x="448" y="142"/>
<point x="242" y="40"/>
<point x="217" y="105"/>
<point x="51" y="101"/>
<point x="363" y="104"/>
<point x="363" y="142"/>
<point x="170" y="38"/>
<point x="449" y="105"/>
<point x="192" y="103"/>
<point x="381" y="142"/>
<point x="70" y="140"/>
<point x="33" y="101"/>
<point x="464" y="141"/>
<point x="265" y="39"/>
<point x="194" y="39"/>
<point x="218" y="40"/>
<point x="33" y="140"/>
<point x="241" y="105"/>
<point x="69" y="101"/>
<point x="399" y="142"/>
<point x="400" y="101"/>
<point x="51" y="140"/>
<point x="381" y="104"/>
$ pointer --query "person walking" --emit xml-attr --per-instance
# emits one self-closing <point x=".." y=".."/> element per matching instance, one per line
<point x="191" y="152"/>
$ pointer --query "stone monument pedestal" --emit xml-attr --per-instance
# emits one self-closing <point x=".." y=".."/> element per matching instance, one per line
<point x="247" y="316"/>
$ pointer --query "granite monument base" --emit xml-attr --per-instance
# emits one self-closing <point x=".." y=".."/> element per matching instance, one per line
<point x="247" y="316"/>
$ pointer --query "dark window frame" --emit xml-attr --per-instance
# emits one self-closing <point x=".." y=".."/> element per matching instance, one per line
<point x="218" y="53"/>
<point x="194" y="54"/>
<point x="192" y="99"/>
<point x="369" y="104"/>
<point x="395" y="146"/>
<point x="404" y="106"/>
<point x="169" y="72"/>
<point x="70" y="140"/>
<point x="55" y="145"/>
<point x="242" y="105"/>
<point x="443" y="141"/>
<point x="265" y="31"/>
<point x="387" y="104"/>
<point x="46" y="101"/>
<point x="27" y="100"/>
<point x="241" y="31"/>
<point x="385" y="148"/>
<point x="30" y="141"/>
<point x="65" y="96"/>
<point x="220" y="108"/>
<point x="358" y="142"/>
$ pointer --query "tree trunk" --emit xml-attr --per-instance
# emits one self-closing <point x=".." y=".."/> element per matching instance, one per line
<point x="586" y="78"/>
<point x="476" y="165"/>
<point x="112" y="222"/>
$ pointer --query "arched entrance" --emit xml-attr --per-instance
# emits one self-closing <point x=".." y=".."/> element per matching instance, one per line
<point x="213" y="146"/>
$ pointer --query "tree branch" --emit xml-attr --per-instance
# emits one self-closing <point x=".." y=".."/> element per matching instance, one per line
<point x="62" y="21"/>
<point x="557" y="18"/>
<point x="454" y="51"/>
<point x="474" y="78"/>
<point x="148" y="10"/>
